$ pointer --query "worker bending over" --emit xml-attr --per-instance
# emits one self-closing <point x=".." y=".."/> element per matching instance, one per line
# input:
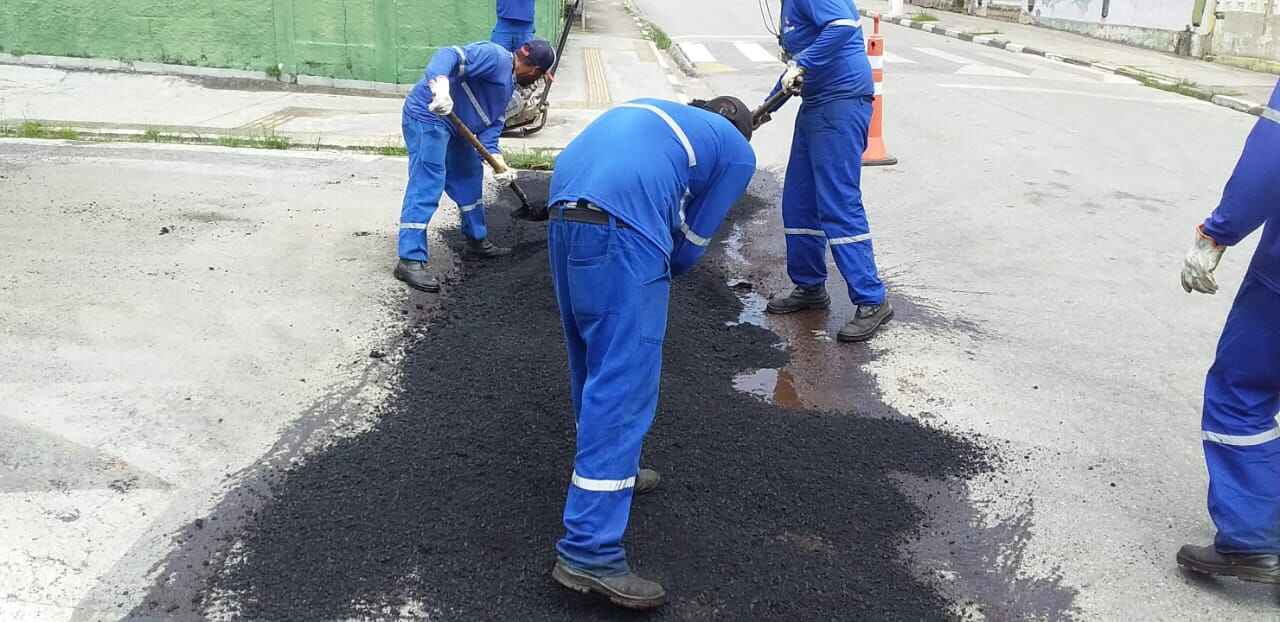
<point x="480" y="78"/>
<point x="635" y="200"/>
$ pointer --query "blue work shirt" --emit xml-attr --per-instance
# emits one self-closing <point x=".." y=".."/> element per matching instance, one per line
<point x="668" y="170"/>
<point x="1252" y="197"/>
<point x="518" y="10"/>
<point x="825" y="37"/>
<point x="480" y="82"/>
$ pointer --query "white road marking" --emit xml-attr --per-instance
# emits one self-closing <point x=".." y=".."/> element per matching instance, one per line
<point x="890" y="57"/>
<point x="696" y="52"/>
<point x="1185" y="101"/>
<point x="988" y="70"/>
<point x="686" y="37"/>
<point x="755" y="52"/>
<point x="945" y="56"/>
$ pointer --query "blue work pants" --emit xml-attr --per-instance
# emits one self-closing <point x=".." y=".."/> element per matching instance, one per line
<point x="439" y="162"/>
<point x="612" y="287"/>
<point x="1241" y="438"/>
<point x="822" y="199"/>
<point x="511" y="33"/>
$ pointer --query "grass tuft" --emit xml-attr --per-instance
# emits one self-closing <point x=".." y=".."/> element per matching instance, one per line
<point x="924" y="16"/>
<point x="534" y="160"/>
<point x="269" y="141"/>
<point x="31" y="129"/>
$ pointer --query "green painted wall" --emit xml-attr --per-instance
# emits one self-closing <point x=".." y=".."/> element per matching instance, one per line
<point x="382" y="40"/>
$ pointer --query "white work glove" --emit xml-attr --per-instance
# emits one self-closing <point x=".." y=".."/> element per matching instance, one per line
<point x="793" y="78"/>
<point x="503" y="174"/>
<point x="441" y="101"/>
<point x="1201" y="261"/>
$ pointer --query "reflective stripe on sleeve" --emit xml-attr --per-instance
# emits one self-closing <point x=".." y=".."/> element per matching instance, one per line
<point x="684" y="138"/>
<point x="693" y="237"/>
<point x="851" y="239"/>
<point x="466" y="88"/>
<point x="856" y="23"/>
<point x="817" y="233"/>
<point x="1236" y="440"/>
<point x="413" y="225"/>
<point x="1272" y="114"/>
<point x="603" y="485"/>
<point x="467" y="208"/>
<point x="462" y="61"/>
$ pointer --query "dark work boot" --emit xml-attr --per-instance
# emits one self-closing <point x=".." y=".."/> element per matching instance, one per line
<point x="626" y="590"/>
<point x="1257" y="567"/>
<point x="866" y="321"/>
<point x="484" y="249"/>
<point x="799" y="299"/>
<point x="646" y="481"/>
<point x="415" y="275"/>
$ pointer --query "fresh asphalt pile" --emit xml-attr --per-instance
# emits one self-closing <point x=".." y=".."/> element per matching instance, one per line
<point x="450" y="505"/>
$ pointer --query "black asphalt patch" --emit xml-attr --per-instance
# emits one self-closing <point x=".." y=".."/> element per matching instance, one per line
<point x="449" y="507"/>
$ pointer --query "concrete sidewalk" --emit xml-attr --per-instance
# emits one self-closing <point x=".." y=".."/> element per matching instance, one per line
<point x="606" y="62"/>
<point x="1232" y="87"/>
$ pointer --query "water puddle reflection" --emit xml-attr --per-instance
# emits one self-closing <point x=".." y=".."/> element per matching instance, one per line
<point x="775" y="386"/>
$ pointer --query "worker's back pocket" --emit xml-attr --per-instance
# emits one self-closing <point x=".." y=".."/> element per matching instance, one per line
<point x="593" y="270"/>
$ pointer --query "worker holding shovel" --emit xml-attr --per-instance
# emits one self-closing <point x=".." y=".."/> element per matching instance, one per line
<point x="473" y="83"/>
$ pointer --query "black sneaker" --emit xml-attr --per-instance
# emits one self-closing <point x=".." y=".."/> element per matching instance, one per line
<point x="628" y="590"/>
<point x="415" y="275"/>
<point x="800" y="299"/>
<point x="484" y="249"/>
<point x="646" y="481"/>
<point x="1256" y="567"/>
<point x="866" y="321"/>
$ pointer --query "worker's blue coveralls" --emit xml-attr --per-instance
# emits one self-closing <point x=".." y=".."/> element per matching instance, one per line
<point x="668" y="172"/>
<point x="822" y="195"/>
<point x="515" y="24"/>
<point x="440" y="159"/>
<point x="1242" y="392"/>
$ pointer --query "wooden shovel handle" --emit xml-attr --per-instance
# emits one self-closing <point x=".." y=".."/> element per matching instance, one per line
<point x="475" y="142"/>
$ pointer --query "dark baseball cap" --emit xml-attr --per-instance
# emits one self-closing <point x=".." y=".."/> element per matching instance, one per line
<point x="730" y="108"/>
<point x="541" y="55"/>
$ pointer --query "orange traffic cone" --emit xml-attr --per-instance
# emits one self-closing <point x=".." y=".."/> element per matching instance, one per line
<point x="876" y="153"/>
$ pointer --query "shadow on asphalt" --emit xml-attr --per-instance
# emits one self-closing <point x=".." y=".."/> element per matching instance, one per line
<point x="449" y="507"/>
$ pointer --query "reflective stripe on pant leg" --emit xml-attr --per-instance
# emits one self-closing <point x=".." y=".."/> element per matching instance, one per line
<point x="837" y="145"/>
<point x="619" y="291"/>
<point x="806" y="242"/>
<point x="1239" y="428"/>
<point x="464" y="183"/>
<point x="426" y="143"/>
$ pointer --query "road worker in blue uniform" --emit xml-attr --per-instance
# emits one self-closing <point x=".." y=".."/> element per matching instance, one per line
<point x="635" y="199"/>
<point x="515" y="24"/>
<point x="1242" y="392"/>
<point x="822" y="195"/>
<point x="480" y="78"/>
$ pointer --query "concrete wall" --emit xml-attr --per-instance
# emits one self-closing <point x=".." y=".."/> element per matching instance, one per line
<point x="1248" y="28"/>
<point x="1152" y="24"/>
<point x="382" y="40"/>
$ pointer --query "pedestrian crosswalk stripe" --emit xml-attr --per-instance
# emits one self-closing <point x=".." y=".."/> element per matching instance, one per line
<point x="945" y="56"/>
<point x="696" y="52"/>
<point x="988" y="70"/>
<point x="755" y="52"/>
<point x="890" y="57"/>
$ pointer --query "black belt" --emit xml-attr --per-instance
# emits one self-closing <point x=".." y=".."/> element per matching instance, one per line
<point x="574" y="212"/>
